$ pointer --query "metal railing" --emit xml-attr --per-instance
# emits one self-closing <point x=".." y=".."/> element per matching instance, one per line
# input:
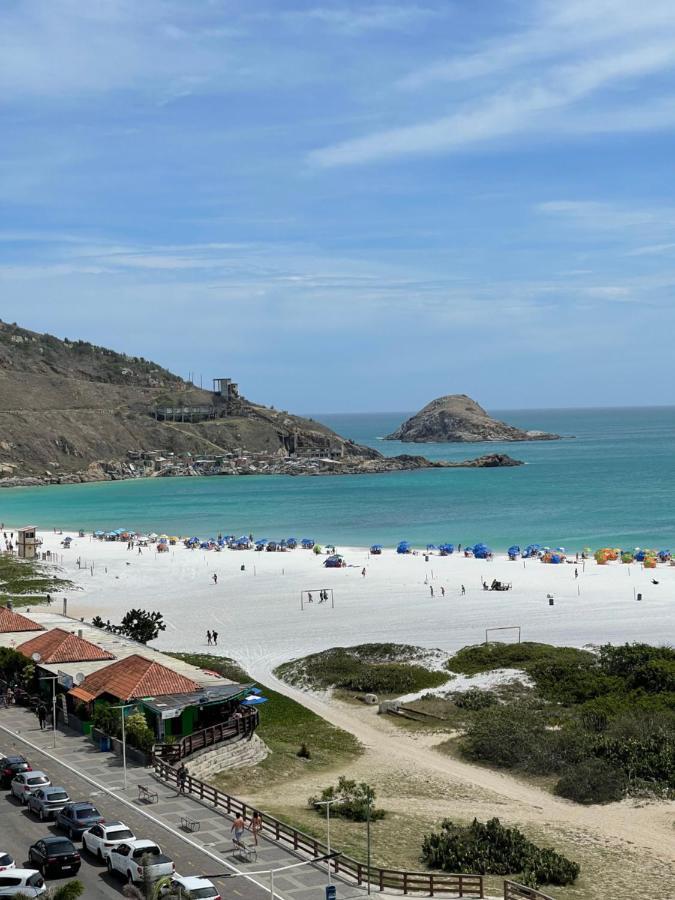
<point x="428" y="883"/>
<point x="514" y="891"/>
<point x="237" y="727"/>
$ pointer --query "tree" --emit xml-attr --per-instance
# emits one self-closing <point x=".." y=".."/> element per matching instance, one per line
<point x="141" y="625"/>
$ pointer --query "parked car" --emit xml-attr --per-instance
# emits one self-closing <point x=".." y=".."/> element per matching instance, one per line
<point x="25" y="783"/>
<point x="76" y="818"/>
<point x="191" y="887"/>
<point x="101" y="838"/>
<point x="47" y="801"/>
<point x="6" y="861"/>
<point x="54" y="855"/>
<point x="139" y="860"/>
<point x="11" y="766"/>
<point x="22" y="882"/>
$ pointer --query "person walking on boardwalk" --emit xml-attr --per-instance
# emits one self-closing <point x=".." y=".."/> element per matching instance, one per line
<point x="208" y="638"/>
<point x="238" y="828"/>
<point x="255" y="826"/>
<point x="42" y="716"/>
<point x="181" y="778"/>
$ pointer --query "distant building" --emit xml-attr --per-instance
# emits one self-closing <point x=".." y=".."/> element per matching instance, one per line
<point x="26" y="542"/>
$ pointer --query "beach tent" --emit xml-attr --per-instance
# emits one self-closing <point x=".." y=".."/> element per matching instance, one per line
<point x="446" y="549"/>
<point x="481" y="551"/>
<point x="432" y="547"/>
<point x="307" y="543"/>
<point x="292" y="543"/>
<point x="376" y="549"/>
<point x="531" y="550"/>
<point x="403" y="547"/>
<point x="334" y="562"/>
<point x="513" y="551"/>
<point x="664" y="555"/>
<point x="626" y="556"/>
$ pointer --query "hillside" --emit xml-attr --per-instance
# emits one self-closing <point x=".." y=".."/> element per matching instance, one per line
<point x="72" y="411"/>
<point x="458" y="418"/>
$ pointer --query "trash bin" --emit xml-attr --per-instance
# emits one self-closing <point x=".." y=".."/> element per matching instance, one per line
<point x="104" y="743"/>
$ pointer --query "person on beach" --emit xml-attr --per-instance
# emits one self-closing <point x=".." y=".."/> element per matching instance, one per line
<point x="140" y="550"/>
<point x="238" y="828"/>
<point x="463" y="590"/>
<point x="363" y="572"/>
<point x="431" y="588"/>
<point x="215" y="578"/>
<point x="214" y="635"/>
<point x="208" y="638"/>
<point x="576" y="573"/>
<point x="309" y="597"/>
<point x="442" y="591"/>
<point x="255" y="826"/>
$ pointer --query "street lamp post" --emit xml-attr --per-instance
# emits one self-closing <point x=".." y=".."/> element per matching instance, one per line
<point x="368" y="802"/>
<point x="124" y="742"/>
<point x="53" y="679"/>
<point x="327" y="804"/>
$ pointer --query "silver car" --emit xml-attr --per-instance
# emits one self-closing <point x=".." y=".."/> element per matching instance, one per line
<point x="25" y="783"/>
<point x="45" y="802"/>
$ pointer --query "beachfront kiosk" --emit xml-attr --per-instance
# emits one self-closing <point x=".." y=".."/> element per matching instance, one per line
<point x="26" y="542"/>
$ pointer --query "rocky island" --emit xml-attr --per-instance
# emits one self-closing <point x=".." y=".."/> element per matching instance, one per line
<point x="459" y="419"/>
<point x="71" y="411"/>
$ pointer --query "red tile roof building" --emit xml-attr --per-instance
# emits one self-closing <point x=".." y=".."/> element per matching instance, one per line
<point x="133" y="678"/>
<point x="13" y="621"/>
<point x="61" y="646"/>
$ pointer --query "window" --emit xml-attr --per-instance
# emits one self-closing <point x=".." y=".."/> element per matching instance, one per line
<point x="121" y="834"/>
<point x="9" y="881"/>
<point x="61" y="847"/>
<point x="88" y="813"/>
<point x="40" y="779"/>
<point x="140" y="852"/>
<point x="96" y="831"/>
<point x="55" y="795"/>
<point x="36" y="880"/>
<point x="5" y="859"/>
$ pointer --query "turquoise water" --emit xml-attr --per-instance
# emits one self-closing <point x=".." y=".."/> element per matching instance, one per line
<point x="613" y="483"/>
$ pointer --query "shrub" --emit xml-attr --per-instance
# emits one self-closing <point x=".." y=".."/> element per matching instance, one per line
<point x="591" y="781"/>
<point x="107" y="719"/>
<point x="138" y="733"/>
<point x="492" y="849"/>
<point x="474" y="699"/>
<point x="352" y="800"/>
<point x="503" y="736"/>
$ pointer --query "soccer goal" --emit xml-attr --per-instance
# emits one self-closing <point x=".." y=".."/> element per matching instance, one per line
<point x="511" y="628"/>
<point x="318" y="597"/>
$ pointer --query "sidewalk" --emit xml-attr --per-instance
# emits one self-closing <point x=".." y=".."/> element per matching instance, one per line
<point x="80" y="754"/>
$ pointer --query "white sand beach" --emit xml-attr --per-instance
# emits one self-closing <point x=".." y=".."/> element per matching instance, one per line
<point x="257" y="614"/>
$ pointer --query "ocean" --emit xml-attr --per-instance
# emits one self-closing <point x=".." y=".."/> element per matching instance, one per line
<point x="609" y="482"/>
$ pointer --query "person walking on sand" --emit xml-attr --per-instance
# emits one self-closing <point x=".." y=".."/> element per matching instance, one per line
<point x="214" y="635"/>
<point x="463" y="590"/>
<point x="442" y="591"/>
<point x="238" y="828"/>
<point x="255" y="826"/>
<point x="431" y="588"/>
<point x="215" y="578"/>
<point x="208" y="638"/>
<point x="576" y="573"/>
<point x="363" y="572"/>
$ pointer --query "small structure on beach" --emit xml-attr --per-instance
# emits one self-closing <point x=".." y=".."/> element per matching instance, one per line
<point x="26" y="542"/>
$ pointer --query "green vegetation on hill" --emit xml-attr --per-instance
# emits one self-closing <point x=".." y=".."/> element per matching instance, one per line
<point x="603" y="723"/>
<point x="286" y="727"/>
<point x="27" y="582"/>
<point x="388" y="669"/>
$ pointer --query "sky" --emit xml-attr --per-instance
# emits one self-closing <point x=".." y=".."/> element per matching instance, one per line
<point x="349" y="206"/>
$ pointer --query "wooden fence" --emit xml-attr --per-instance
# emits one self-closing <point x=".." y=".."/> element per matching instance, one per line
<point x="236" y="727"/>
<point x="513" y="891"/>
<point x="428" y="883"/>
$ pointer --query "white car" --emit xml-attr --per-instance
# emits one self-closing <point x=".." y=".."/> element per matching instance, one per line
<point x="139" y="860"/>
<point x="6" y="861"/>
<point x="25" y="783"/>
<point x="102" y="837"/>
<point x="22" y="882"/>
<point x="191" y="887"/>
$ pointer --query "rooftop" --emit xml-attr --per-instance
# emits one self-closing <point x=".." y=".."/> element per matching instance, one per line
<point x="61" y="646"/>
<point x="11" y="621"/>
<point x="136" y="677"/>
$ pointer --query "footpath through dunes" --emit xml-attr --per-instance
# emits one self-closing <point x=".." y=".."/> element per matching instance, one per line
<point x="465" y="790"/>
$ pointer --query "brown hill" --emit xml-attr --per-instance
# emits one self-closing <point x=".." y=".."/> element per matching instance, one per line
<point x="69" y="406"/>
<point x="458" y="418"/>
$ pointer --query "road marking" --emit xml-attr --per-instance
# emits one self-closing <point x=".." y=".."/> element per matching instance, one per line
<point x="143" y="812"/>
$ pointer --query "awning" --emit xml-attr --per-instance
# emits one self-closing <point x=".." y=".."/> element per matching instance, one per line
<point x="80" y="694"/>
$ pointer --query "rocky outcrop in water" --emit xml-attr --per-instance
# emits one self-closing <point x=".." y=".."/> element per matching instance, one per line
<point x="457" y="418"/>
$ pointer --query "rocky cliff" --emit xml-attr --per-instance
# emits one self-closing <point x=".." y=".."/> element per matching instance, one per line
<point x="458" y="418"/>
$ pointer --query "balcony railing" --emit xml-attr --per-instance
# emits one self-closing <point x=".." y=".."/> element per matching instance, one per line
<point x="235" y="728"/>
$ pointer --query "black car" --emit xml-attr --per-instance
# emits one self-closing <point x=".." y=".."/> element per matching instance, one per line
<point x="76" y="818"/>
<point x="11" y="766"/>
<point x="54" y="855"/>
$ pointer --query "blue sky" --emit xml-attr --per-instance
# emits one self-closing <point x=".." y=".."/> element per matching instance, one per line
<point x="349" y="206"/>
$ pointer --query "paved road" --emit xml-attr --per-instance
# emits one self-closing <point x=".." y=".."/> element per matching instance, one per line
<point x="19" y="829"/>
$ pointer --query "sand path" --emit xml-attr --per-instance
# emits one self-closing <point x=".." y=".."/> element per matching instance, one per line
<point x="642" y="826"/>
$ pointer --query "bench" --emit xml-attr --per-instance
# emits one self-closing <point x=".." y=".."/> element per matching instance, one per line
<point x="243" y="851"/>
<point x="147" y="795"/>
<point x="188" y="824"/>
